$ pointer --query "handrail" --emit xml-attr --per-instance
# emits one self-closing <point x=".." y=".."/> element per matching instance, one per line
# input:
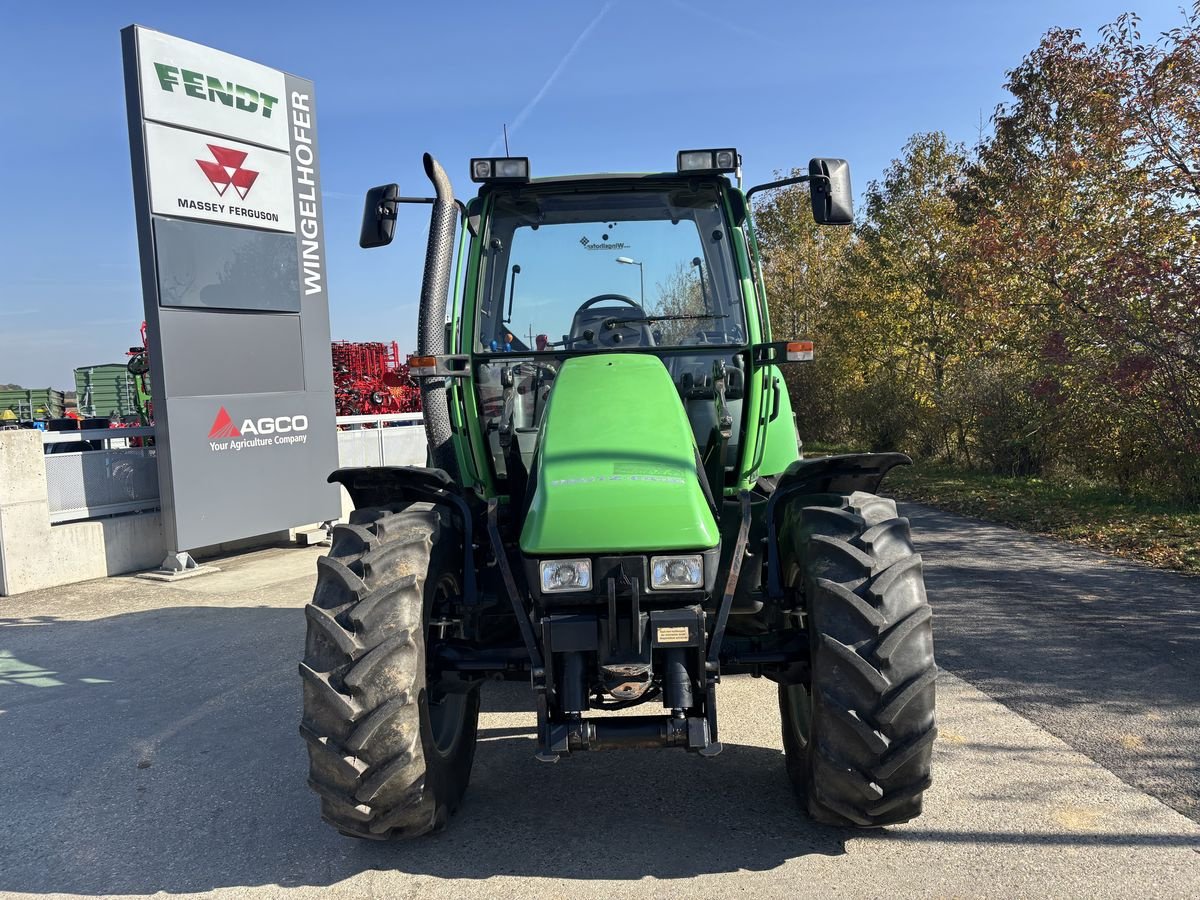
<point x="97" y="434"/>
<point x="407" y="418"/>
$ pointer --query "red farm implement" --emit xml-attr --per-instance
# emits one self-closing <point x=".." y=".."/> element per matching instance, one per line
<point x="369" y="379"/>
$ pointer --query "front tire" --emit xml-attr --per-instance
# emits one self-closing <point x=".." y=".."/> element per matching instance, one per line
<point x="858" y="738"/>
<point x="390" y="753"/>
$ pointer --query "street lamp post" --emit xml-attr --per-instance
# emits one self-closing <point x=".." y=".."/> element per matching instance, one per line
<point x="625" y="260"/>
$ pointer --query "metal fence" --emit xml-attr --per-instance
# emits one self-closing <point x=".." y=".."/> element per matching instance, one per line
<point x="90" y="474"/>
<point x="396" y="439"/>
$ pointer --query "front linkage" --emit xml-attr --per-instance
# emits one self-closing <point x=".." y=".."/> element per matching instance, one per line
<point x="555" y="647"/>
<point x="622" y="636"/>
<point x="624" y="643"/>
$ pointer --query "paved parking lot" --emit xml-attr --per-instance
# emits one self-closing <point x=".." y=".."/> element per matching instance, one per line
<point x="148" y="743"/>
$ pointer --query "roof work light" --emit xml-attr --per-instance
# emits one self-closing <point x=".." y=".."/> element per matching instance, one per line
<point x="708" y="160"/>
<point x="504" y="168"/>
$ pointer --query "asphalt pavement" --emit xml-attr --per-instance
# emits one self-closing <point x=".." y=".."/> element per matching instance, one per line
<point x="1101" y="652"/>
<point x="148" y="744"/>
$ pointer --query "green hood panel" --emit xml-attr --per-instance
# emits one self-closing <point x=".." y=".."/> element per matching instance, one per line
<point x="616" y="464"/>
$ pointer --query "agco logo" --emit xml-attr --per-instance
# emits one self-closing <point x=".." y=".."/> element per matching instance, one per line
<point x="228" y="170"/>
<point x="266" y="431"/>
<point x="223" y="426"/>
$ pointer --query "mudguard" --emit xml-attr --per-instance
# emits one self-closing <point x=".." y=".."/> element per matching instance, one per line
<point x="825" y="475"/>
<point x="381" y="485"/>
<point x="386" y="485"/>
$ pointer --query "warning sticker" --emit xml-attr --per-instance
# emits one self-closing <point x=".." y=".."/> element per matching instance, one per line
<point x="675" y="634"/>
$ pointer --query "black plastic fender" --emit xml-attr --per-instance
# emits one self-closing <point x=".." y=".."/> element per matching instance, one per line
<point x="385" y="485"/>
<point x="381" y="485"/>
<point x="825" y="475"/>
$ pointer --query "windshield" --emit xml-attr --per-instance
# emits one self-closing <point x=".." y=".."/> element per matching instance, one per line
<point x="633" y="268"/>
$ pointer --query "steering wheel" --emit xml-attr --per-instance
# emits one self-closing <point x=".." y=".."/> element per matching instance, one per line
<point x="588" y="304"/>
<point x="608" y="336"/>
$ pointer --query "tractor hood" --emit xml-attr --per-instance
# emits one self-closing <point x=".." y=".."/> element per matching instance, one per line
<point x="615" y="470"/>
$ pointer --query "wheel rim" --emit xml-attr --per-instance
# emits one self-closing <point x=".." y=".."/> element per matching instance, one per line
<point x="799" y="698"/>
<point x="447" y="709"/>
<point x="800" y="721"/>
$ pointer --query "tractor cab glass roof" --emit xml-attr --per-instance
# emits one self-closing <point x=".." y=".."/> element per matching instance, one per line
<point x="621" y="267"/>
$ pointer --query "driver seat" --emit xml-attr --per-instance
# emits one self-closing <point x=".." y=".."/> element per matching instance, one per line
<point x="635" y="334"/>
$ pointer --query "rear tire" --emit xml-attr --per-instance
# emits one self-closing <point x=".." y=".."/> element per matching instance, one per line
<point x="859" y="737"/>
<point x="389" y="754"/>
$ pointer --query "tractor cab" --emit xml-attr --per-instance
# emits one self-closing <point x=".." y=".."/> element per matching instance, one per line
<point x="631" y="266"/>
<point x="661" y="265"/>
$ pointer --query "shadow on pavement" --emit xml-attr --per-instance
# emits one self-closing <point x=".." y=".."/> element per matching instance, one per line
<point x="1102" y="653"/>
<point x="158" y="751"/>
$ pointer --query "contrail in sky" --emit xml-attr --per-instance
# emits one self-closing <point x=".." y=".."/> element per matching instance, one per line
<point x="726" y="23"/>
<point x="498" y="143"/>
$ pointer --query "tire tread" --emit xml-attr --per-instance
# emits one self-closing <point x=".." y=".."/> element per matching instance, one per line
<point x="867" y="759"/>
<point x="364" y="678"/>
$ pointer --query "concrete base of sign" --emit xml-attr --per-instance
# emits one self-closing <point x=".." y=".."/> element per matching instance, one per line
<point x="35" y="554"/>
<point x="179" y="561"/>
<point x="179" y="574"/>
<point x="308" y="537"/>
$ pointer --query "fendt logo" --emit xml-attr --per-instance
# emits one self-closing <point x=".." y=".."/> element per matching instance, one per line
<point x="228" y="170"/>
<point x="214" y="90"/>
<point x="226" y="435"/>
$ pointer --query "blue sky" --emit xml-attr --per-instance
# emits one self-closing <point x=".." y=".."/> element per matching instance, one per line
<point x="585" y="86"/>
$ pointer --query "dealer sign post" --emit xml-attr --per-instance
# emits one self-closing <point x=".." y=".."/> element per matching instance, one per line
<point x="227" y="196"/>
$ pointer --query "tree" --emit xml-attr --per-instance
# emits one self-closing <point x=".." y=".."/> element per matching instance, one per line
<point x="888" y="304"/>
<point x="1086" y="226"/>
<point x="1035" y="303"/>
<point x="681" y="294"/>
<point x="803" y="271"/>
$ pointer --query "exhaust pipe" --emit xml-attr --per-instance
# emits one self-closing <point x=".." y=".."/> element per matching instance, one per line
<point x="431" y="320"/>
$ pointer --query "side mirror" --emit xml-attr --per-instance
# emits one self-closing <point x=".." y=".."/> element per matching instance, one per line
<point x="737" y="205"/>
<point x="832" y="201"/>
<point x="379" y="216"/>
<point x="138" y="365"/>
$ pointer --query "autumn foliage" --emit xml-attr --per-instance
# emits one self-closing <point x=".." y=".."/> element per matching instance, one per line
<point x="1030" y="305"/>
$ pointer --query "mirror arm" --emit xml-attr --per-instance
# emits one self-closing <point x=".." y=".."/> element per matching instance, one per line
<point x="379" y="221"/>
<point x="785" y="183"/>
<point x="385" y="211"/>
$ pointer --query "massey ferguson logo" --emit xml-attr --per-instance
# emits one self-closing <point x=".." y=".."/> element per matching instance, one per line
<point x="268" y="431"/>
<point x="228" y="170"/>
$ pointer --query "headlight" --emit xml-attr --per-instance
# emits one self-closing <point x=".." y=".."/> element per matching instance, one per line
<point x="500" y="168"/>
<point x="566" y="575"/>
<point x="691" y="160"/>
<point x="722" y="160"/>
<point x="512" y="168"/>
<point x="676" y="573"/>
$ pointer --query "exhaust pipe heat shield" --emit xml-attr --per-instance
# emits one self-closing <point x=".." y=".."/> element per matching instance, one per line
<point x="616" y="468"/>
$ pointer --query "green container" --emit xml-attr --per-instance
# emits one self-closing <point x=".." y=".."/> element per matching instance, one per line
<point x="105" y="390"/>
<point x="33" y="403"/>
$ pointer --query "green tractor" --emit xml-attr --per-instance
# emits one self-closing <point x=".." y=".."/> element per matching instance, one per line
<point x="615" y="511"/>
